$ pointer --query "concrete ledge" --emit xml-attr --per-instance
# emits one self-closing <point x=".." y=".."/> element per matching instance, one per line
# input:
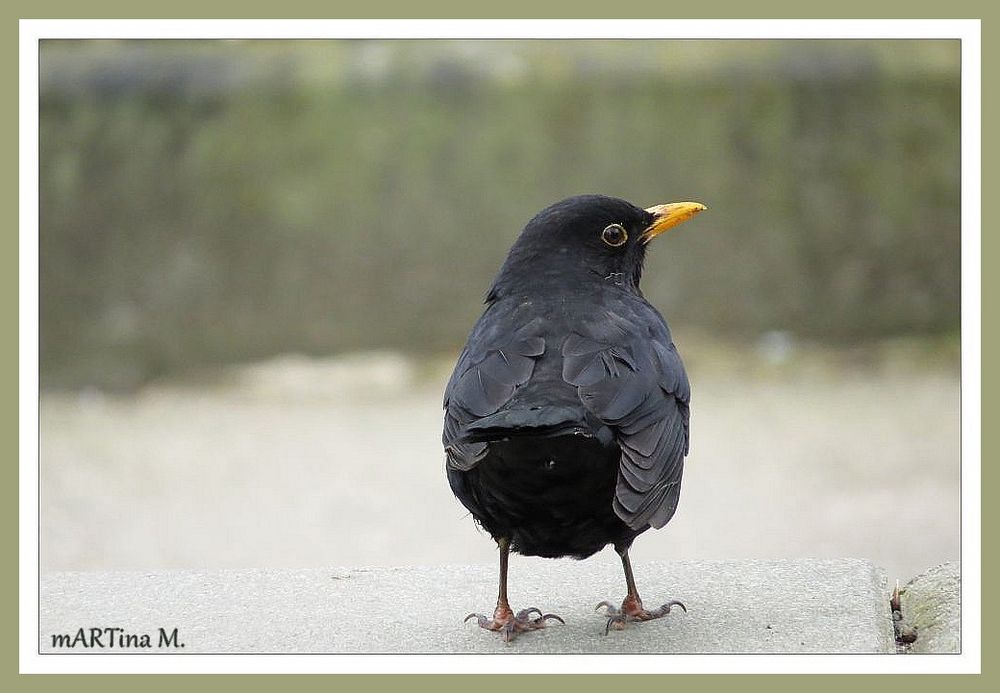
<point x="780" y="606"/>
<point x="931" y="606"/>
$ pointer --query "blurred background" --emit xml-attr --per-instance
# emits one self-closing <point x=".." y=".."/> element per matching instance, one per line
<point x="259" y="259"/>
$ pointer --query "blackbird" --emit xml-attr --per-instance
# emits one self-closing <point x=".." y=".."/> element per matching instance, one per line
<point x="566" y="418"/>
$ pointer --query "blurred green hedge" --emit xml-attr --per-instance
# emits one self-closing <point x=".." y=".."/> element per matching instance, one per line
<point x="208" y="203"/>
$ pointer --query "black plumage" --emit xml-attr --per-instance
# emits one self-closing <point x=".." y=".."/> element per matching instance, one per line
<point x="566" y="418"/>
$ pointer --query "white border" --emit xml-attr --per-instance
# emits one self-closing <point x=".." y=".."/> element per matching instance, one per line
<point x="31" y="31"/>
<point x="28" y="353"/>
<point x="501" y="28"/>
<point x="971" y="347"/>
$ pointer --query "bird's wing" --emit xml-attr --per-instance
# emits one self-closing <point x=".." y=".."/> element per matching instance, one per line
<point x="628" y="374"/>
<point x="493" y="364"/>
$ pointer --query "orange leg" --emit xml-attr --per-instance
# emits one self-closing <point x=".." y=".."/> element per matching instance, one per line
<point x="504" y="619"/>
<point x="632" y="609"/>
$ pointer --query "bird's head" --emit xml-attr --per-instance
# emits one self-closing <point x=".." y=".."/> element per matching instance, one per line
<point x="589" y="238"/>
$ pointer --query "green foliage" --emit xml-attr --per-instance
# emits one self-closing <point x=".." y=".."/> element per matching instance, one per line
<point x="204" y="216"/>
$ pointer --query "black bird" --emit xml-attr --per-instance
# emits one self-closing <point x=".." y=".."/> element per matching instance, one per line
<point x="566" y="418"/>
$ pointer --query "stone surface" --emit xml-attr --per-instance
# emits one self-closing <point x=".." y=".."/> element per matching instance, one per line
<point x="931" y="605"/>
<point x="778" y="606"/>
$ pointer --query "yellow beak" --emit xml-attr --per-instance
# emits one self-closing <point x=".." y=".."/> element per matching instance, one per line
<point x="668" y="216"/>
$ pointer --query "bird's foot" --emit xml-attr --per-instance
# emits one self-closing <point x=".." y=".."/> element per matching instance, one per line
<point x="509" y="624"/>
<point x="632" y="610"/>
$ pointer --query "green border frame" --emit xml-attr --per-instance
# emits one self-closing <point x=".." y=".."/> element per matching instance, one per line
<point x="454" y="8"/>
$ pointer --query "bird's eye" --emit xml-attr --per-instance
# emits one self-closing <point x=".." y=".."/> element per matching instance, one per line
<point x="614" y="235"/>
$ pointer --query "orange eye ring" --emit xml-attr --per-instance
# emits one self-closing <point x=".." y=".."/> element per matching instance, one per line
<point x="614" y="235"/>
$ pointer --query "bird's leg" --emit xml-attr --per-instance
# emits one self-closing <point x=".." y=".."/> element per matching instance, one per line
<point x="503" y="614"/>
<point x="504" y="619"/>
<point x="632" y="609"/>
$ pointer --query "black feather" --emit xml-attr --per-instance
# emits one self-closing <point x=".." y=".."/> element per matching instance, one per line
<point x="566" y="418"/>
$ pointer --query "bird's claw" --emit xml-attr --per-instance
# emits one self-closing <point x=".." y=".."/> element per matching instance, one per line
<point x="483" y="620"/>
<point x="618" y="617"/>
<point x="523" y="615"/>
<point x="665" y="609"/>
<point x="510" y="625"/>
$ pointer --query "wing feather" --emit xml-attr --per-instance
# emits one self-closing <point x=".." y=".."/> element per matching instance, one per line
<point x="494" y="363"/>
<point x="628" y="374"/>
